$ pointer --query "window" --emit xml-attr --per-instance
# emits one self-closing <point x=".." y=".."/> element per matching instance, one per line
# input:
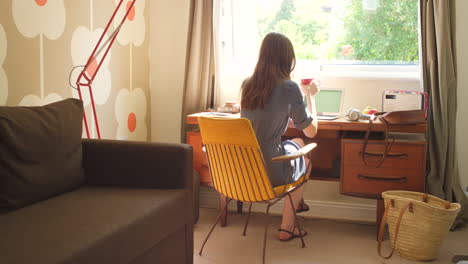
<point x="329" y="36"/>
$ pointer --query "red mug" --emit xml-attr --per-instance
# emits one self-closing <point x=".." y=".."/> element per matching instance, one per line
<point x="306" y="81"/>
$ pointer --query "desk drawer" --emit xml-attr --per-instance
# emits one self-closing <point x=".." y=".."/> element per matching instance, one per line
<point x="205" y="177"/>
<point x="200" y="161"/>
<point x="401" y="155"/>
<point x="371" y="182"/>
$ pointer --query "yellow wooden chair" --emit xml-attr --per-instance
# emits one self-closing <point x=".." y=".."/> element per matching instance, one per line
<point x="238" y="169"/>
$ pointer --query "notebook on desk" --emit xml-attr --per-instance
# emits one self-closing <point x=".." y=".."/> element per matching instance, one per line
<point x="328" y="103"/>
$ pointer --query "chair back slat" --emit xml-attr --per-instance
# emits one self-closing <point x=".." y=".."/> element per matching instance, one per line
<point x="242" y="173"/>
<point x="216" y="169"/>
<point x="235" y="160"/>
<point x="227" y="182"/>
<point x="228" y="171"/>
<point x="235" y="171"/>
<point x="252" y="157"/>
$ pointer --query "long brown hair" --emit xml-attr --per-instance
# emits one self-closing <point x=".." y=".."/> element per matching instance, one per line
<point x="275" y="63"/>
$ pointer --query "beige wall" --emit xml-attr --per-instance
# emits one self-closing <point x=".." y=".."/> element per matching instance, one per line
<point x="462" y="114"/>
<point x="39" y="46"/>
<point x="168" y="34"/>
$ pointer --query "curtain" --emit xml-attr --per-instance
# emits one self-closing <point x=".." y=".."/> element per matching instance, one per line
<point x="440" y="82"/>
<point x="199" y="85"/>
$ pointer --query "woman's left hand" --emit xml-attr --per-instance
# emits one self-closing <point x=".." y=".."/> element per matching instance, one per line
<point x="312" y="88"/>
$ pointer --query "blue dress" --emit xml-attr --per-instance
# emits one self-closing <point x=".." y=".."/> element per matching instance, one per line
<point x="271" y="123"/>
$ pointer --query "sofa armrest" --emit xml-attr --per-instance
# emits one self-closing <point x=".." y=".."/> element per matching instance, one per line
<point x="137" y="164"/>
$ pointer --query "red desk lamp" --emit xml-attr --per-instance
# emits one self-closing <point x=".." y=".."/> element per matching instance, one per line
<point x="85" y="78"/>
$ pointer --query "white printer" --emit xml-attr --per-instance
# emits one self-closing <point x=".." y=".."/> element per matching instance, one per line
<point x="399" y="100"/>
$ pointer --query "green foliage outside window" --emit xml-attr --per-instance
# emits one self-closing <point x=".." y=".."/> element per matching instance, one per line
<point x="321" y="31"/>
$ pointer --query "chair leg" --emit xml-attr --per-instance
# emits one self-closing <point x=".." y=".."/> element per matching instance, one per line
<point x="212" y="228"/>
<point x="247" y="221"/>
<point x="239" y="207"/>
<point x="266" y="232"/>
<point x="296" y="220"/>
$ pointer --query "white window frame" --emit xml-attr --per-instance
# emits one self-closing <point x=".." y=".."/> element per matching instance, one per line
<point x="346" y="76"/>
<point x="344" y="68"/>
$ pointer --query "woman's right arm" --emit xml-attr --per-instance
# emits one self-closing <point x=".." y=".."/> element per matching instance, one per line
<point x="310" y="91"/>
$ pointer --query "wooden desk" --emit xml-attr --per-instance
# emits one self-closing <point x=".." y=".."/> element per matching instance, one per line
<point x="337" y="124"/>
<point x="336" y="157"/>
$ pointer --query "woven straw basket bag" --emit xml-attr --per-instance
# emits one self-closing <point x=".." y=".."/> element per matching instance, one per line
<point x="417" y="224"/>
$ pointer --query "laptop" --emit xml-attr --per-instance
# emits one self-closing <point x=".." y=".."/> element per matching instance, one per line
<point x="328" y="103"/>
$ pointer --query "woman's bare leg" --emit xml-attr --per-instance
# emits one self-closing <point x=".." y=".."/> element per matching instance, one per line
<point x="288" y="216"/>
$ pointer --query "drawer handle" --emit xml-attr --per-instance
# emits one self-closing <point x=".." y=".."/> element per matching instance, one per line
<point x="389" y="155"/>
<point x="371" y="178"/>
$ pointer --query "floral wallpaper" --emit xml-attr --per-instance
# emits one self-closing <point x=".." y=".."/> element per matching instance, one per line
<point x="3" y="78"/>
<point x="42" y="41"/>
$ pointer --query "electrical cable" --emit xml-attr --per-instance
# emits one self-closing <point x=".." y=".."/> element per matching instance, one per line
<point x="70" y="76"/>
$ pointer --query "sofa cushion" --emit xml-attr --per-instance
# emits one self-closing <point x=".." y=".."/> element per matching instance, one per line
<point x="92" y="225"/>
<point x="41" y="153"/>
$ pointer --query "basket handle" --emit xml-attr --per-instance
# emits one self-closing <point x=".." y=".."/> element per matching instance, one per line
<point x="446" y="203"/>
<point x="397" y="227"/>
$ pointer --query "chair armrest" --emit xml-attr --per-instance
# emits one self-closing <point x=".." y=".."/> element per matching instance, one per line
<point x="137" y="164"/>
<point x="301" y="152"/>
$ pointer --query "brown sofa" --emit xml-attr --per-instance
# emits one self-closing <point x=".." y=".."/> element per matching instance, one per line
<point x="135" y="206"/>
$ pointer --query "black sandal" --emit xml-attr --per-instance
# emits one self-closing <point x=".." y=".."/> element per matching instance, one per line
<point x="292" y="234"/>
<point x="302" y="207"/>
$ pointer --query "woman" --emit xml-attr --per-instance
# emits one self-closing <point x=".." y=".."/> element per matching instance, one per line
<point x="269" y="100"/>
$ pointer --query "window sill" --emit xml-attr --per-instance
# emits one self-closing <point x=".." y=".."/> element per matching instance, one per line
<point x="365" y="75"/>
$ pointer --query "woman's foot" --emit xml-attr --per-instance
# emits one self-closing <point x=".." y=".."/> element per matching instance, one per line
<point x="302" y="207"/>
<point x="286" y="235"/>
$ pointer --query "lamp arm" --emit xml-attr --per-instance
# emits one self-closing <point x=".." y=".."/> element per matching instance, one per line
<point x="87" y="81"/>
